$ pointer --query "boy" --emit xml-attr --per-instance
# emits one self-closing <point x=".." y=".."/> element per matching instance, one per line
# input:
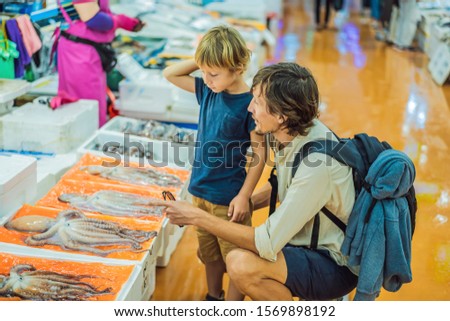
<point x="219" y="182"/>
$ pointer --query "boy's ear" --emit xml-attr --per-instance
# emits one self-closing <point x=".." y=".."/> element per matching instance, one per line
<point x="240" y="69"/>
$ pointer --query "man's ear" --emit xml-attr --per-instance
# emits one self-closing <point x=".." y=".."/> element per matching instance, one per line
<point x="281" y="119"/>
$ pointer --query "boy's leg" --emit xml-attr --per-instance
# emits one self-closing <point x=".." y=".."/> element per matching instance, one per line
<point x="214" y="277"/>
<point x="258" y="278"/>
<point x="209" y="253"/>
<point x="233" y="293"/>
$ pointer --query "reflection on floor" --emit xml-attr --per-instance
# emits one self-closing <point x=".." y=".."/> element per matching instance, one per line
<point x="366" y="86"/>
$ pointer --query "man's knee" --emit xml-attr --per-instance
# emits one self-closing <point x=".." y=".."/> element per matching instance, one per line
<point x="239" y="264"/>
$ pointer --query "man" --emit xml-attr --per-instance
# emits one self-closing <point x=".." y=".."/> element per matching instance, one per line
<point x="274" y="260"/>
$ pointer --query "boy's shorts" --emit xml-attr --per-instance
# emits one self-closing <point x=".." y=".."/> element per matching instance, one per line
<point x="211" y="247"/>
<point x="314" y="275"/>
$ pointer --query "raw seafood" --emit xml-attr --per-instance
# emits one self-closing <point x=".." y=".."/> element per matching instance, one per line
<point x="113" y="203"/>
<point x="25" y="282"/>
<point x="134" y="175"/>
<point x="74" y="231"/>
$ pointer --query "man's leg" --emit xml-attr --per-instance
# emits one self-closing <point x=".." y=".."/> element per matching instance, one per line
<point x="258" y="278"/>
<point x="233" y="293"/>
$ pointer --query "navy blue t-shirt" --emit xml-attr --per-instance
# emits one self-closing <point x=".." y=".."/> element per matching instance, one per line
<point x="223" y="138"/>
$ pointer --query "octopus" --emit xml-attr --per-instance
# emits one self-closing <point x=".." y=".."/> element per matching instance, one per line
<point x="72" y="230"/>
<point x="134" y="175"/>
<point x="28" y="283"/>
<point x="113" y="203"/>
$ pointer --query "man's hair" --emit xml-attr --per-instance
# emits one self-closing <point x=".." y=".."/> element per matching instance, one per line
<point x="290" y="91"/>
<point x="223" y="47"/>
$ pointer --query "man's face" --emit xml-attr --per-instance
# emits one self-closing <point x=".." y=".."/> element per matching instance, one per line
<point x="265" y="122"/>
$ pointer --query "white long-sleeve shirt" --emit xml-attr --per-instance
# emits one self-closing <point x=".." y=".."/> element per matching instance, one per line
<point x="319" y="181"/>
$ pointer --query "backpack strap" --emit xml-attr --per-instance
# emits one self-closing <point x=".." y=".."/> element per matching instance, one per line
<point x="273" y="180"/>
<point x="333" y="149"/>
<point x="341" y="151"/>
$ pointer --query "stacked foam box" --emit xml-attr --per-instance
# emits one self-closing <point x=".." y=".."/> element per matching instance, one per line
<point x="170" y="237"/>
<point x="162" y="153"/>
<point x="36" y="127"/>
<point x="156" y="98"/>
<point x="131" y="290"/>
<point x="9" y="90"/>
<point x="18" y="178"/>
<point x="172" y="153"/>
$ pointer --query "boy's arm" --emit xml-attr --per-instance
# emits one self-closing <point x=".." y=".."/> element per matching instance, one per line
<point x="179" y="74"/>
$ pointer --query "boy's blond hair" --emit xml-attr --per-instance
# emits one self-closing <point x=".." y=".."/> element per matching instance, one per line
<point x="223" y="47"/>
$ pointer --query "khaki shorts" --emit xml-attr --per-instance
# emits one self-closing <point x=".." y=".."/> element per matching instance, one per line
<point x="212" y="248"/>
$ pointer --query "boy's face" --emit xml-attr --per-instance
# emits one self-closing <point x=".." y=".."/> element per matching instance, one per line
<point x="218" y="79"/>
<point x="265" y="122"/>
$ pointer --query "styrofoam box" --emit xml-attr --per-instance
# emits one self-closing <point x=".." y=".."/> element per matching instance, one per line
<point x="18" y="178"/>
<point x="118" y="123"/>
<point x="36" y="127"/>
<point x="153" y="96"/>
<point x="171" y="236"/>
<point x="131" y="291"/>
<point x="50" y="168"/>
<point x="164" y="154"/>
<point x="439" y="65"/>
<point x="149" y="268"/>
<point x="45" y="86"/>
<point x="177" y="113"/>
<point x="12" y="88"/>
<point x="145" y="286"/>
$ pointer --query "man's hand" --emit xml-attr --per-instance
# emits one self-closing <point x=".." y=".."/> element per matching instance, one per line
<point x="239" y="208"/>
<point x="179" y="212"/>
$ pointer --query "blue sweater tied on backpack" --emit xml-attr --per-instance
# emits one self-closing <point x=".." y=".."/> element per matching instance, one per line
<point x="378" y="236"/>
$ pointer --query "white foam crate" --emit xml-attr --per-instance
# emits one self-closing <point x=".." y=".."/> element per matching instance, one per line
<point x="18" y="177"/>
<point x="164" y="154"/>
<point x="146" y="273"/>
<point x="36" y="127"/>
<point x="12" y="88"/>
<point x="50" y="168"/>
<point x="119" y="124"/>
<point x="154" y="95"/>
<point x="47" y="85"/>
<point x="171" y="235"/>
<point x="439" y="65"/>
<point x="156" y="98"/>
<point x="132" y="290"/>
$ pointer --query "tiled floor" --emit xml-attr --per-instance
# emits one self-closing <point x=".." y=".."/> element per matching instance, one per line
<point x="366" y="86"/>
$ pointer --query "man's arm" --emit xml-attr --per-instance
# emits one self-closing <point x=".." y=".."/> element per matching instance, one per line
<point x="179" y="74"/>
<point x="256" y="165"/>
<point x="184" y="213"/>
<point x="239" y="207"/>
<point x="261" y="197"/>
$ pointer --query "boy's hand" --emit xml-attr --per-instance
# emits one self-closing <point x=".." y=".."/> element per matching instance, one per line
<point x="239" y="208"/>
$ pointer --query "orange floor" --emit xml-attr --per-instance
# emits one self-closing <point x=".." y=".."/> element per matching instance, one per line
<point x="366" y="86"/>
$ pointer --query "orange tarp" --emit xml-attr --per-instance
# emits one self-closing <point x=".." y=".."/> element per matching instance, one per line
<point x="104" y="276"/>
<point x="89" y="187"/>
<point x="88" y="159"/>
<point x="10" y="236"/>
